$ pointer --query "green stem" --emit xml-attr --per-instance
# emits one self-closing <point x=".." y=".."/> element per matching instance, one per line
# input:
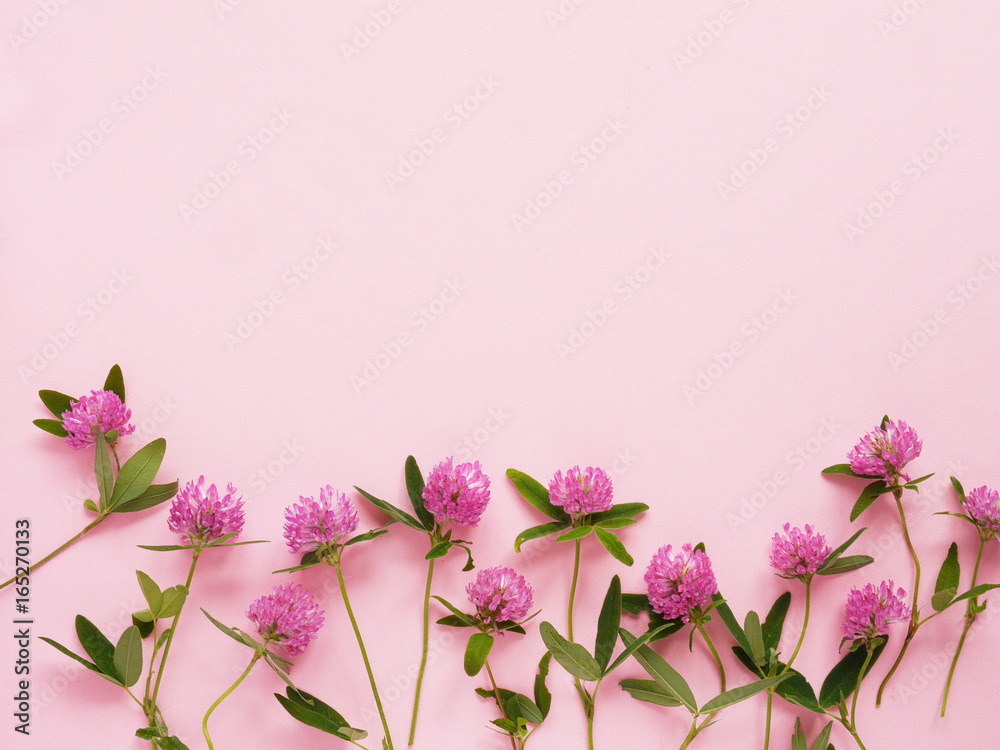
<point x="802" y="635"/>
<point x="204" y="722"/>
<point x="691" y="734"/>
<point x="496" y="692"/>
<point x="715" y="655"/>
<point x="590" y="716"/>
<point x="118" y="466"/>
<point x="364" y="656"/>
<point x="572" y="590"/>
<point x="857" y="688"/>
<point x="970" y="617"/>
<point x="173" y="630"/>
<point x="767" y="724"/>
<point x="40" y="563"/>
<point x="423" y="657"/>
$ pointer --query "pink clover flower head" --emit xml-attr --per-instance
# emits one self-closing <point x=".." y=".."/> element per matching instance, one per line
<point x="457" y="493"/>
<point x="870" y="611"/>
<point x="288" y="617"/>
<point x="581" y="492"/>
<point x="312" y="525"/>
<point x="500" y="594"/>
<point x="201" y="515"/>
<point x="680" y="585"/>
<point x="798" y="554"/>
<point x="884" y="453"/>
<point x="101" y="410"/>
<point x="983" y="506"/>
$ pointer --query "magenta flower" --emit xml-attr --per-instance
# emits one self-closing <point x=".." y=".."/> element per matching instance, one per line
<point x="884" y="453"/>
<point x="798" y="554"/>
<point x="201" y="516"/>
<point x="100" y="410"/>
<point x="288" y="617"/>
<point x="312" y="526"/>
<point x="983" y="506"/>
<point x="870" y="611"/>
<point x="680" y="585"/>
<point x="500" y="594"/>
<point x="457" y="493"/>
<point x="581" y="492"/>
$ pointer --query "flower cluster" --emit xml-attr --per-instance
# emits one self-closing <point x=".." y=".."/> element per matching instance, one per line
<point x="871" y="610"/>
<point x="312" y="525"/>
<point x="680" y="585"/>
<point x="884" y="453"/>
<point x="201" y="515"/>
<point x="101" y="410"/>
<point x="288" y="617"/>
<point x="983" y="506"/>
<point x="500" y="594"/>
<point x="457" y="493"/>
<point x="798" y="554"/>
<point x="581" y="492"/>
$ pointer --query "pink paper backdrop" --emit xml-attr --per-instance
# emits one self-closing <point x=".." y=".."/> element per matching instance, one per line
<point x="704" y="245"/>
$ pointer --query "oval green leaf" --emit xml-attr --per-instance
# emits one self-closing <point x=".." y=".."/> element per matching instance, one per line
<point x="476" y="652"/>
<point x="614" y="545"/>
<point x="138" y="473"/>
<point x="608" y="623"/>
<point x="573" y="657"/>
<point x="128" y="656"/>
<point x="536" y="495"/>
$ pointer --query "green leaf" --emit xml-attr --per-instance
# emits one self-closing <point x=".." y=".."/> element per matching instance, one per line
<point x="657" y="668"/>
<point x="102" y="470"/>
<point x="958" y="488"/>
<point x="636" y="604"/>
<point x="153" y="495"/>
<point x="143" y="619"/>
<point x="832" y="557"/>
<point x="91" y="506"/>
<point x="536" y="495"/>
<point x="845" y="565"/>
<point x="476" y="652"/>
<point x="614" y="545"/>
<point x="313" y="712"/>
<point x="729" y="619"/>
<point x="438" y="550"/>
<point x="740" y="693"/>
<point x="468" y="620"/>
<point x="843" y="678"/>
<point x="147" y="733"/>
<point x="620" y="511"/>
<point x="579" y="532"/>
<point x="524" y="707"/>
<point x="115" y="382"/>
<point x="775" y="621"/>
<point x="573" y="657"/>
<point x="171" y="743"/>
<point x="795" y="689"/>
<point x="128" y="656"/>
<point x="543" y="698"/>
<point x="608" y="623"/>
<point x="799" y="737"/>
<point x="974" y="592"/>
<point x="823" y="740"/>
<point x="844" y="469"/>
<point x="58" y="646"/>
<point x="651" y="635"/>
<point x="868" y="496"/>
<point x="173" y="600"/>
<point x="97" y="646"/>
<point x="57" y="403"/>
<point x="366" y="537"/>
<point x="912" y="485"/>
<point x="615" y="523"/>
<point x="649" y="691"/>
<point x="751" y="626"/>
<point x="228" y="631"/>
<point x="151" y="592"/>
<point x="392" y="511"/>
<point x="537" y="532"/>
<point x="454" y="621"/>
<point x="948" y="580"/>
<point x="51" y="426"/>
<point x="138" y="473"/>
<point x="415" y="489"/>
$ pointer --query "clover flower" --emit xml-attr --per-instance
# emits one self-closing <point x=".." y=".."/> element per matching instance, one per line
<point x="680" y="585"/>
<point x="500" y="594"/>
<point x="101" y="410"/>
<point x="312" y="525"/>
<point x="581" y="492"/>
<point x="884" y="453"/>
<point x="288" y="617"/>
<point x="983" y="506"/>
<point x="457" y="493"/>
<point x="201" y="515"/>
<point x="871" y="610"/>
<point x="798" y="554"/>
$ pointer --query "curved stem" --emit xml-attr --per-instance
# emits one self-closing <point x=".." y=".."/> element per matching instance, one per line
<point x="857" y="688"/>
<point x="970" y="617"/>
<point x="118" y="465"/>
<point x="496" y="692"/>
<point x="40" y="563"/>
<point x="715" y="655"/>
<point x="802" y="635"/>
<point x="204" y="722"/>
<point x="423" y="657"/>
<point x="173" y="630"/>
<point x="572" y="590"/>
<point x="364" y="656"/>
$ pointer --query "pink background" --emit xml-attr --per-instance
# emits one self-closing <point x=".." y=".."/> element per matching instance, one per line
<point x="818" y="183"/>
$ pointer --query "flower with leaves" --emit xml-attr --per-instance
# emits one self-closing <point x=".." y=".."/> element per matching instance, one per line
<point x="202" y="515"/>
<point x="101" y="411"/>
